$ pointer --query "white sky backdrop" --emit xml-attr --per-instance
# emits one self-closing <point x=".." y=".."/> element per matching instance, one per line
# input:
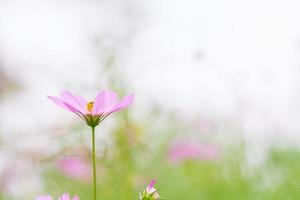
<point x="220" y="57"/>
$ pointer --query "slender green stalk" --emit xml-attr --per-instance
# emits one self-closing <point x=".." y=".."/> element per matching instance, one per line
<point x="94" y="163"/>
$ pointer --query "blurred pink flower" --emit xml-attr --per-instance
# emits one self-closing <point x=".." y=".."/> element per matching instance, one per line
<point x="65" y="196"/>
<point x="93" y="112"/>
<point x="44" y="197"/>
<point x="192" y="151"/>
<point x="75" y="167"/>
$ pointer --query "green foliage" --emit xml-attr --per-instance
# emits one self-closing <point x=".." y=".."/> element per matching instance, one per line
<point x="124" y="176"/>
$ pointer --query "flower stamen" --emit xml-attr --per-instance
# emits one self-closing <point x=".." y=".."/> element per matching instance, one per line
<point x="89" y="106"/>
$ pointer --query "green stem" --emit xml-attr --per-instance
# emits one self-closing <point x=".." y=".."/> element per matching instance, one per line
<point x="94" y="163"/>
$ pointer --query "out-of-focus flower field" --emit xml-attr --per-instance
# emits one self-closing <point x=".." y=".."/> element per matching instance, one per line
<point x="136" y="157"/>
<point x="189" y="159"/>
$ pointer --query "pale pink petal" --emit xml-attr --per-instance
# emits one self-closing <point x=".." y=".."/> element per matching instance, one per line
<point x="65" y="196"/>
<point x="105" y="100"/>
<point x="111" y="102"/>
<point x="44" y="197"/>
<point x="75" y="197"/>
<point x="82" y="103"/>
<point x="125" y="102"/>
<point x="59" y="102"/>
<point x="98" y="102"/>
<point x="76" y="102"/>
<point x="71" y="108"/>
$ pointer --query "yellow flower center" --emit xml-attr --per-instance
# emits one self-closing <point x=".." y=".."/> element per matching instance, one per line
<point x="89" y="106"/>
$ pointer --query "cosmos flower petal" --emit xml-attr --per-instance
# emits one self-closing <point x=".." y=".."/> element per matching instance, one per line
<point x="65" y="196"/>
<point x="104" y="101"/>
<point x="111" y="101"/>
<point x="59" y="102"/>
<point x="82" y="103"/>
<point x="75" y="197"/>
<point x="77" y="102"/>
<point x="72" y="109"/>
<point x="98" y="103"/>
<point x="151" y="184"/>
<point x="124" y="103"/>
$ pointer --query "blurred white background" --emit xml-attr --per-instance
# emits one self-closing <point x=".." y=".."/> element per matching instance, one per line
<point x="235" y="60"/>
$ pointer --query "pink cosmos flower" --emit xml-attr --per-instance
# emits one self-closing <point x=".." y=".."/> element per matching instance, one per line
<point x="192" y="151"/>
<point x="93" y="112"/>
<point x="65" y="196"/>
<point x="150" y="188"/>
<point x="150" y="193"/>
<point x="75" y="168"/>
<point x="44" y="197"/>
